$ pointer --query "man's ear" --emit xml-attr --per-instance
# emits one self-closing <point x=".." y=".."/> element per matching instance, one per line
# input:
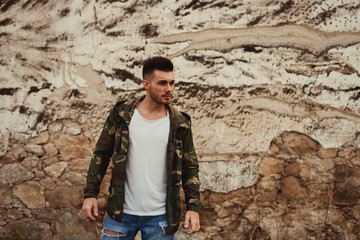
<point x="146" y="83"/>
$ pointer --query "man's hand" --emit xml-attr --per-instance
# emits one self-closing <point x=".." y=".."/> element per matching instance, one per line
<point x="192" y="222"/>
<point x="90" y="205"/>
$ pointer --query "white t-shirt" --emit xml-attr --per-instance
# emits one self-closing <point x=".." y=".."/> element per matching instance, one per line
<point x="145" y="185"/>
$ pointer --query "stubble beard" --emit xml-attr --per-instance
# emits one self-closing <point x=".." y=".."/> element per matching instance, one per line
<point x="159" y="99"/>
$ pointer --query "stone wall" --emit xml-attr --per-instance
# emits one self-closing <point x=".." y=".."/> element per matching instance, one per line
<point x="272" y="88"/>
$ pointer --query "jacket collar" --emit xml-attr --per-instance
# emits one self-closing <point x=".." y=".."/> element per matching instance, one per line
<point x="176" y="117"/>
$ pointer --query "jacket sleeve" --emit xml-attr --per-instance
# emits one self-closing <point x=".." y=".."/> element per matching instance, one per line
<point x="101" y="157"/>
<point x="190" y="173"/>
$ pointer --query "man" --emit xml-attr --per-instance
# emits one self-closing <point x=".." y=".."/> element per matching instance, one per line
<point x="151" y="147"/>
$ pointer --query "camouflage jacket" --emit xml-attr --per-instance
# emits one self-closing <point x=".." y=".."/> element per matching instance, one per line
<point x="182" y="163"/>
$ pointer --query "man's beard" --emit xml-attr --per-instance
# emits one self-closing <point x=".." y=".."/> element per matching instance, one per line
<point x="159" y="98"/>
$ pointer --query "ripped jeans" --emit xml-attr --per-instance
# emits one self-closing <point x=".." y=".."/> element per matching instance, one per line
<point x="151" y="228"/>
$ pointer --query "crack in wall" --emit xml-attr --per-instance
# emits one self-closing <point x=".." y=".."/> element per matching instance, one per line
<point x="299" y="109"/>
<point x="293" y="36"/>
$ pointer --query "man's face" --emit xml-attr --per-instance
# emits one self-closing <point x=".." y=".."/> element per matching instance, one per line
<point x="160" y="86"/>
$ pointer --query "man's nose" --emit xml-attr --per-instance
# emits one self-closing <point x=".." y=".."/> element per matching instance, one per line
<point x="168" y="87"/>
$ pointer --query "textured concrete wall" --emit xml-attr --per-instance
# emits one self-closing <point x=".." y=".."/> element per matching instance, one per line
<point x="273" y="88"/>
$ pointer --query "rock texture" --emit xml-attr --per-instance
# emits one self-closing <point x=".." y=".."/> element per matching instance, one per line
<point x="272" y="88"/>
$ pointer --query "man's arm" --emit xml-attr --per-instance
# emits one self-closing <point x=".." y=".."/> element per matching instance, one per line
<point x="191" y="184"/>
<point x="99" y="163"/>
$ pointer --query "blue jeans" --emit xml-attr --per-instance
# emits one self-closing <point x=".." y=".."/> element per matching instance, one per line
<point x="151" y="228"/>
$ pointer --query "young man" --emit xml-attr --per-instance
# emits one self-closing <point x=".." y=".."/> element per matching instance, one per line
<point x="151" y="147"/>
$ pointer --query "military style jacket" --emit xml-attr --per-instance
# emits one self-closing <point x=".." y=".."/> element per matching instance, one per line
<point x="182" y="164"/>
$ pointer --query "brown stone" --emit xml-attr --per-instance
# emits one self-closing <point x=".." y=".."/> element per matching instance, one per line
<point x="39" y="173"/>
<point x="237" y="210"/>
<point x="268" y="196"/>
<point x="244" y="230"/>
<point x="75" y="178"/>
<point x="28" y="229"/>
<point x="221" y="212"/>
<point x="64" y="196"/>
<point x="267" y="183"/>
<point x="50" y="160"/>
<point x="47" y="214"/>
<point x="222" y="222"/>
<point x="40" y="139"/>
<point x="7" y="159"/>
<point x="55" y="127"/>
<point x="327" y="153"/>
<point x="13" y="214"/>
<point x="347" y="152"/>
<point x="274" y="149"/>
<point x="269" y="166"/>
<point x="50" y="149"/>
<point x="182" y="235"/>
<point x="19" y="152"/>
<point x="341" y="161"/>
<point x="5" y="197"/>
<point x="347" y="185"/>
<point x="69" y="226"/>
<point x="48" y="183"/>
<point x="228" y="204"/>
<point x="88" y="134"/>
<point x="295" y="143"/>
<point x="293" y="169"/>
<point x="30" y="162"/>
<point x="14" y="173"/>
<point x="31" y="194"/>
<point x="71" y="147"/>
<point x="56" y="169"/>
<point x="79" y="165"/>
<point x="356" y="160"/>
<point x="326" y="164"/>
<point x="251" y="212"/>
<point x="35" y="149"/>
<point x="292" y="189"/>
<point x="336" y="216"/>
<point x="73" y="130"/>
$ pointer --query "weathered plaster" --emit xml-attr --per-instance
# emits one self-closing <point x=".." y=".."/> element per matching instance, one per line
<point x="246" y="71"/>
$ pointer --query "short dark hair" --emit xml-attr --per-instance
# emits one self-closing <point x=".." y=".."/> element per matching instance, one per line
<point x="156" y="63"/>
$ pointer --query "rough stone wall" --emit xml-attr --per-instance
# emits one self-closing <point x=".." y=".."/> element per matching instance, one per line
<point x="272" y="88"/>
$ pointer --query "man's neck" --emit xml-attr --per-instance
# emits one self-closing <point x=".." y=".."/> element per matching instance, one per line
<point x="151" y="110"/>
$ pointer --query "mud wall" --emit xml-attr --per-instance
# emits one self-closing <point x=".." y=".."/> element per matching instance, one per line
<point x="273" y="89"/>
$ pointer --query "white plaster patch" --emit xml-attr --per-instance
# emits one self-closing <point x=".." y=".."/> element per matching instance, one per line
<point x="333" y="132"/>
<point x="226" y="176"/>
<point x="16" y="122"/>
